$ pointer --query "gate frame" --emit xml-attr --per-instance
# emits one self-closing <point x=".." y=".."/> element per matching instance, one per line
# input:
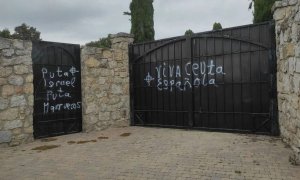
<point x="79" y="119"/>
<point x="272" y="62"/>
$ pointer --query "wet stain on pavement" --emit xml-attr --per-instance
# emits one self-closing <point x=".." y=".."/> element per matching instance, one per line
<point x="83" y="142"/>
<point x="45" y="147"/>
<point x="102" y="137"/>
<point x="125" y="134"/>
<point x="48" y="139"/>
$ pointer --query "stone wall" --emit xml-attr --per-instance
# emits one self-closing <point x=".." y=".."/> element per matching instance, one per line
<point x="16" y="92"/>
<point x="105" y="88"/>
<point x="105" y="84"/>
<point x="287" y="19"/>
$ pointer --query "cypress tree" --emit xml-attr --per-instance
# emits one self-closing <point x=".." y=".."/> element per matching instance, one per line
<point x="188" y="32"/>
<point x="217" y="26"/>
<point x="262" y="10"/>
<point x="142" y="24"/>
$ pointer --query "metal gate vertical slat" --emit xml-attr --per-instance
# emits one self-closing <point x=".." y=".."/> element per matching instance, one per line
<point x="57" y="108"/>
<point x="240" y="53"/>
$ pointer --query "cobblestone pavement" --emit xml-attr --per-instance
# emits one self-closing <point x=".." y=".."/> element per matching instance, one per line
<point x="149" y="153"/>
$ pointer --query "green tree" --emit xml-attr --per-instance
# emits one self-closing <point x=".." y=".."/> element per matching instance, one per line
<point x="142" y="24"/>
<point x="188" y="32"/>
<point x="26" y="32"/>
<point x="5" y="33"/>
<point x="217" y="26"/>
<point x="101" y="43"/>
<point x="262" y="10"/>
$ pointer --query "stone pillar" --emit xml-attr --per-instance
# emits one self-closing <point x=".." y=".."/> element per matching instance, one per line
<point x="121" y="41"/>
<point x="287" y="21"/>
<point x="105" y="84"/>
<point x="16" y="92"/>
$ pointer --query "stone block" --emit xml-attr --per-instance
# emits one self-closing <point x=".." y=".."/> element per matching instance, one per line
<point x="116" y="115"/>
<point x="288" y="50"/>
<point x="5" y="71"/>
<point x="28" y="88"/>
<point x="7" y="61"/>
<point x="297" y="18"/>
<point x="12" y="124"/>
<point x="19" y="89"/>
<point x="28" y="130"/>
<point x="101" y="81"/>
<point x="87" y="50"/>
<point x="22" y="52"/>
<point x="105" y="72"/>
<point x="92" y="119"/>
<point x="104" y="63"/>
<point x="16" y="131"/>
<point x="295" y="32"/>
<point x="297" y="50"/>
<point x="18" y="44"/>
<point x="9" y="114"/>
<point x="3" y="81"/>
<point x="118" y="55"/>
<point x="112" y="64"/>
<point x="279" y="14"/>
<point x="15" y="80"/>
<point x="30" y="100"/>
<point x="114" y="100"/>
<point x="287" y="35"/>
<point x="3" y="103"/>
<point x="17" y="101"/>
<point x="292" y="2"/>
<point x="27" y="45"/>
<point x="5" y="43"/>
<point x="91" y="108"/>
<point x="297" y="68"/>
<point x="5" y="136"/>
<point x="107" y="54"/>
<point x="92" y="62"/>
<point x="26" y="60"/>
<point x="29" y="78"/>
<point x="104" y="116"/>
<point x="123" y="74"/>
<point x="8" y="52"/>
<point x="121" y="123"/>
<point x="116" y="89"/>
<point x="101" y="94"/>
<point x="21" y="69"/>
<point x="292" y="64"/>
<point x="8" y="90"/>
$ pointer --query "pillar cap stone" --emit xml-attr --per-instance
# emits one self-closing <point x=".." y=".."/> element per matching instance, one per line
<point x="122" y="34"/>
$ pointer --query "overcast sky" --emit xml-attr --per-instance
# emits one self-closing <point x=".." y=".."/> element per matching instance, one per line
<point x="81" y="21"/>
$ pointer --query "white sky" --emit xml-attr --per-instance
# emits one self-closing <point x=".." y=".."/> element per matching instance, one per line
<point x="81" y="21"/>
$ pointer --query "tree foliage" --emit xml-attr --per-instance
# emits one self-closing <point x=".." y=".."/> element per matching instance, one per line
<point x="188" y="32"/>
<point x="101" y="43"/>
<point x="26" y="32"/>
<point x="142" y="24"/>
<point x="217" y="26"/>
<point x="5" y="33"/>
<point x="262" y="10"/>
<point x="23" y="32"/>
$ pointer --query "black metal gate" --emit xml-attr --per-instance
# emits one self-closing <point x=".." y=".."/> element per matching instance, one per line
<point x="57" y="89"/>
<point x="218" y="80"/>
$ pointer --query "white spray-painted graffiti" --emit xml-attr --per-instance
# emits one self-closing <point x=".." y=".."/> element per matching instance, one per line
<point x="169" y="77"/>
<point x="55" y="82"/>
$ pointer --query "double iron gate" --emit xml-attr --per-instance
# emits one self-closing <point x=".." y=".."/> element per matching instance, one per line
<point x="219" y="80"/>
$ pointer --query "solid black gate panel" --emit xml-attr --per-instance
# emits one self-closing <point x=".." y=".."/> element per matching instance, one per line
<point x="218" y="80"/>
<point x="57" y="89"/>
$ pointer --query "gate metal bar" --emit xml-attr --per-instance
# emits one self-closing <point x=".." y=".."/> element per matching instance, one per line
<point x="151" y="106"/>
